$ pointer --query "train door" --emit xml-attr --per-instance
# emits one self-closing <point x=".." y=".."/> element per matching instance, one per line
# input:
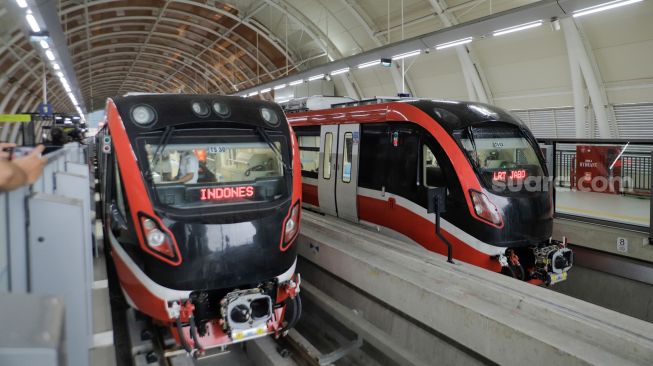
<point x="327" y="169"/>
<point x="347" y="171"/>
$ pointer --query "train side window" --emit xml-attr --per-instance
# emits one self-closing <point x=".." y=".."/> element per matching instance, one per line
<point x="309" y="155"/>
<point x="326" y="163"/>
<point x="119" y="193"/>
<point x="431" y="171"/>
<point x="347" y="158"/>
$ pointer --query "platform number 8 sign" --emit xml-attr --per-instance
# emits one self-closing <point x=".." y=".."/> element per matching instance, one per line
<point x="622" y="245"/>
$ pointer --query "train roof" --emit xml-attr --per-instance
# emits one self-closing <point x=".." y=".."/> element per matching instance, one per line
<point x="451" y="114"/>
<point x="177" y="110"/>
<point x="456" y="115"/>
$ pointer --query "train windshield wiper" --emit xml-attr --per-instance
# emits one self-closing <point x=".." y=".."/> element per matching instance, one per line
<point x="261" y="131"/>
<point x="160" y="147"/>
<point x="470" y="134"/>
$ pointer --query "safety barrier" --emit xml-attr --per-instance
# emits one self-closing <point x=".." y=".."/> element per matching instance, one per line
<point x="635" y="172"/>
<point x="46" y="243"/>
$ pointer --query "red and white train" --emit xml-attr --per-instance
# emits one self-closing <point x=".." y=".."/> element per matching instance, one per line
<point x="372" y="162"/>
<point x="201" y="205"/>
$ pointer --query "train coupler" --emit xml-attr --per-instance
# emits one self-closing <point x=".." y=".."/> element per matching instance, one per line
<point x="552" y="262"/>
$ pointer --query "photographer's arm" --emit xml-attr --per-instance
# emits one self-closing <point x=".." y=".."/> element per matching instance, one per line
<point x="11" y="176"/>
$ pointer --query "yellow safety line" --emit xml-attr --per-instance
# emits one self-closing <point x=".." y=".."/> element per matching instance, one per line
<point x="604" y="214"/>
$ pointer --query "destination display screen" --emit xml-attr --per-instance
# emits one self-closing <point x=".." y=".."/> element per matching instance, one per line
<point x="226" y="193"/>
<point x="506" y="175"/>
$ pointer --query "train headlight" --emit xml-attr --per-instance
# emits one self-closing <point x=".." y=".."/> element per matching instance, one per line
<point x="485" y="209"/>
<point x="143" y="114"/>
<point x="200" y="109"/>
<point x="157" y="240"/>
<point x="221" y="109"/>
<point x="291" y="227"/>
<point x="270" y="116"/>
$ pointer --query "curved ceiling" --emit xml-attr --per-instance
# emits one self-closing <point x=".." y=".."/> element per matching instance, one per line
<point x="210" y="46"/>
<point x="206" y="46"/>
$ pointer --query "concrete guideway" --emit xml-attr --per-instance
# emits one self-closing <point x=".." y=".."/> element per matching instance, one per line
<point x="499" y="319"/>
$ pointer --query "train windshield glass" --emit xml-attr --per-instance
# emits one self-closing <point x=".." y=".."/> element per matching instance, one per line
<point x="502" y="155"/>
<point x="191" y="174"/>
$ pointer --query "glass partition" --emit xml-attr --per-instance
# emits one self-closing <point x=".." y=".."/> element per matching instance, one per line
<point x="600" y="180"/>
<point x="4" y="245"/>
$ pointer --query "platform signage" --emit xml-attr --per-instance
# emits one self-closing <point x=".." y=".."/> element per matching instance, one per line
<point x="596" y="169"/>
<point x="45" y="110"/>
<point x="622" y="245"/>
<point x="15" y="117"/>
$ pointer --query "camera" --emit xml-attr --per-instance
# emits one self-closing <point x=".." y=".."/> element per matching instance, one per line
<point x="18" y="151"/>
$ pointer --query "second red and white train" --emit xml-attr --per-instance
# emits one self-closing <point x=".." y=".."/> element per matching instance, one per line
<point x="373" y="163"/>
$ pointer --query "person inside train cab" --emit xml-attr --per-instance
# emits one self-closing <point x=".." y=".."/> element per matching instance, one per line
<point x="189" y="166"/>
<point x="163" y="167"/>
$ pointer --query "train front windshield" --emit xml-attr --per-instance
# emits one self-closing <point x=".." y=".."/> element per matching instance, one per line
<point x="191" y="173"/>
<point x="504" y="157"/>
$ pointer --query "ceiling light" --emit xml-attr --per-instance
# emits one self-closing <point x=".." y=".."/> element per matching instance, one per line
<point x="72" y="98"/>
<point x="406" y="54"/>
<point x="252" y="94"/>
<point x="296" y="82"/>
<point x="602" y="7"/>
<point x="281" y="86"/>
<point x="368" y="64"/>
<point x="49" y="55"/>
<point x="21" y="3"/>
<point x="55" y="66"/>
<point x="44" y="44"/>
<point x="339" y="71"/>
<point x="60" y="74"/>
<point x="266" y="90"/>
<point x="517" y="28"/>
<point x="457" y="42"/>
<point x="32" y="22"/>
<point x="316" y="77"/>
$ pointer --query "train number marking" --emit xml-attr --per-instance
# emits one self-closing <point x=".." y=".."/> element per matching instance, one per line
<point x="216" y="149"/>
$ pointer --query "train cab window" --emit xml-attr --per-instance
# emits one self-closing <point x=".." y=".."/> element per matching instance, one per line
<point x="195" y="172"/>
<point x="500" y="153"/>
<point x="347" y="158"/>
<point x="326" y="164"/>
<point x="309" y="155"/>
<point x="431" y="171"/>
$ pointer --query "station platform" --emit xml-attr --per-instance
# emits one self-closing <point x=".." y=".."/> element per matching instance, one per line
<point x="632" y="210"/>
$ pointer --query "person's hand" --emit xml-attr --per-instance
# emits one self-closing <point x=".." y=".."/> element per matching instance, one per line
<point x="5" y="155"/>
<point x="32" y="164"/>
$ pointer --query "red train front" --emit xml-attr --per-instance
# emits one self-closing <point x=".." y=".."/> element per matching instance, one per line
<point x="201" y="201"/>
